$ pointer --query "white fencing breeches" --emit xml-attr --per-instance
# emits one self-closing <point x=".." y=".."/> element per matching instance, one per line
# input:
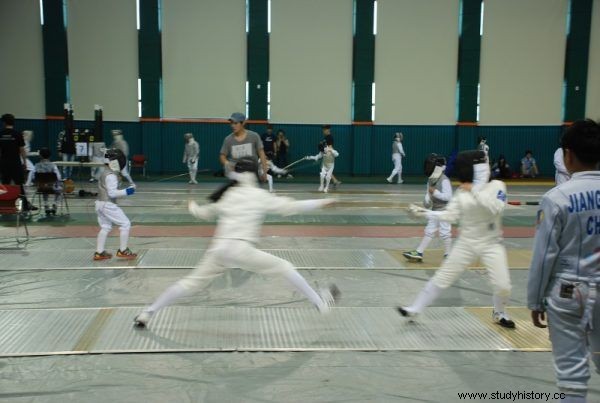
<point x="434" y="225"/>
<point x="192" y="168"/>
<point x="464" y="253"/>
<point x="326" y="174"/>
<point x="109" y="214"/>
<point x="397" y="159"/>
<point x="223" y="254"/>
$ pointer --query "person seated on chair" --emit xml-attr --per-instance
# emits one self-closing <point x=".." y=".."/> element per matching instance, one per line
<point x="47" y="166"/>
<point x="501" y="169"/>
<point x="529" y="168"/>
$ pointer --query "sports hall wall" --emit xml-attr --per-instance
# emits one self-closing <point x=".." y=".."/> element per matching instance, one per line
<point x="440" y="75"/>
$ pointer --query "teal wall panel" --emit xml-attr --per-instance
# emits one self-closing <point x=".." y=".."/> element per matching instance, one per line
<point x="364" y="150"/>
<point x="512" y="141"/>
<point x="362" y="138"/>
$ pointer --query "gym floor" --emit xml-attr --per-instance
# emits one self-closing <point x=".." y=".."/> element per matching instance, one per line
<point x="65" y="321"/>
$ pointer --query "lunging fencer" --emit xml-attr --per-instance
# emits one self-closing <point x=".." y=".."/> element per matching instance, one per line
<point x="190" y="156"/>
<point x="273" y="170"/>
<point x="240" y="208"/>
<point x="564" y="275"/>
<point x="327" y="155"/>
<point x="397" y="155"/>
<point x="478" y="206"/>
<point x="108" y="211"/>
<point x="439" y="193"/>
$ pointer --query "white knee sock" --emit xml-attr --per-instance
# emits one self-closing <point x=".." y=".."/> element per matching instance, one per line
<point x="322" y="180"/>
<point x="169" y="296"/>
<point x="270" y="180"/>
<point x="101" y="240"/>
<point x="500" y="303"/>
<point x="327" y="181"/>
<point x="428" y="294"/>
<point x="123" y="238"/>
<point x="447" y="246"/>
<point x="424" y="243"/>
<point x="305" y="289"/>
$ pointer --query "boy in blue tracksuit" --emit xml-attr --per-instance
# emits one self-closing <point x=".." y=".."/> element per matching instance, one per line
<point x="563" y="283"/>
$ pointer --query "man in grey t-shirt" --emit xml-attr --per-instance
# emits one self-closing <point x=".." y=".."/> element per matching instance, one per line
<point x="241" y="143"/>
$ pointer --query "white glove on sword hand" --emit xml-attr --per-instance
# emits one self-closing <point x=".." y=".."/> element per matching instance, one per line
<point x="415" y="211"/>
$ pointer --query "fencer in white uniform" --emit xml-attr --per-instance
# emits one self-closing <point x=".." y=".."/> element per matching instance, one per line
<point x="561" y="175"/>
<point x="482" y="145"/>
<point x="27" y="138"/>
<point x="328" y="155"/>
<point x="108" y="211"/>
<point x="397" y="155"/>
<point x="240" y="209"/>
<point x="439" y="193"/>
<point x="190" y="156"/>
<point x="273" y="170"/>
<point x="478" y="206"/>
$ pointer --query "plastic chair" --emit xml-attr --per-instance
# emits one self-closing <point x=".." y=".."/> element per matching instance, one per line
<point x="12" y="204"/>
<point x="46" y="185"/>
<point x="138" y="161"/>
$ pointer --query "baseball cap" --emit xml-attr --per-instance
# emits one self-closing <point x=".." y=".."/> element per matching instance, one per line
<point x="237" y="117"/>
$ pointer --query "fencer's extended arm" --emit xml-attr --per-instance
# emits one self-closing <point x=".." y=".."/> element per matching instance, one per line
<point x="286" y="206"/>
<point x="205" y="212"/>
<point x="492" y="199"/>
<point x="112" y="187"/>
<point x="446" y="193"/>
<point x="450" y="214"/>
<point x="545" y="253"/>
<point x="315" y="157"/>
<point x="274" y="168"/>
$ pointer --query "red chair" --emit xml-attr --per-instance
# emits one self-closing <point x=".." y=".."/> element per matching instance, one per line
<point x="138" y="161"/>
<point x="12" y="204"/>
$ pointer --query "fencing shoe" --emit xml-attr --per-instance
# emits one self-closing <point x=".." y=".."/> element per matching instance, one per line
<point x="413" y="256"/>
<point x="503" y="320"/>
<point x="126" y="254"/>
<point x="141" y="321"/>
<point x="330" y="297"/>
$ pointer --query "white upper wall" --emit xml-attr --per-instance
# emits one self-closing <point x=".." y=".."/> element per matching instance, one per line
<point x="203" y="58"/>
<point x="522" y="62"/>
<point x="311" y="61"/>
<point x="103" y="58"/>
<point x="592" y="109"/>
<point x="22" y="65"/>
<point x="416" y="59"/>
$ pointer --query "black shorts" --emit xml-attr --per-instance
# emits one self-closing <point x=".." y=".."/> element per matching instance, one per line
<point x="12" y="173"/>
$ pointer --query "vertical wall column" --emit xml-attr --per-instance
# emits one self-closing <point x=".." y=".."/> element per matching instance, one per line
<point x="363" y="76"/>
<point x="258" y="59"/>
<point x="576" y="59"/>
<point x="469" y="52"/>
<point x="150" y="58"/>
<point x="363" y="60"/>
<point x="56" y="62"/>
